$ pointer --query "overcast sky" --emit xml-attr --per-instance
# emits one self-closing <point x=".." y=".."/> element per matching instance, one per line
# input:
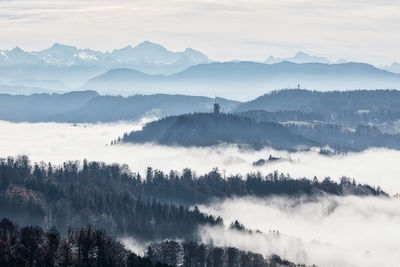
<point x="358" y="30"/>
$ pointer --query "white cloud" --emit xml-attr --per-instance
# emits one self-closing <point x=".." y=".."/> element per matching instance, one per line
<point x="333" y="231"/>
<point x="58" y="142"/>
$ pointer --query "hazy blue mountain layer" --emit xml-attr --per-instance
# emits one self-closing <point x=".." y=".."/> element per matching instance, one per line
<point x="88" y="106"/>
<point x="246" y="80"/>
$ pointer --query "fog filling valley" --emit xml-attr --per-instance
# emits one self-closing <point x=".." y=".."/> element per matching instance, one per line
<point x="333" y="231"/>
<point x="329" y="231"/>
<point x="59" y="142"/>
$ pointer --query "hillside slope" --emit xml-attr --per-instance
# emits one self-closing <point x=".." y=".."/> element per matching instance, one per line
<point x="207" y="129"/>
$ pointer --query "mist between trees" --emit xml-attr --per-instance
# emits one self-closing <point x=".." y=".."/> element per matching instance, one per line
<point x="111" y="197"/>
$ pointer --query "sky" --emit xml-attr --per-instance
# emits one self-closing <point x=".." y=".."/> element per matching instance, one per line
<point x="357" y="30"/>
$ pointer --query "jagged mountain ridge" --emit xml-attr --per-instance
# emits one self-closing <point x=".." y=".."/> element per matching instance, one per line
<point x="66" y="55"/>
<point x="300" y="58"/>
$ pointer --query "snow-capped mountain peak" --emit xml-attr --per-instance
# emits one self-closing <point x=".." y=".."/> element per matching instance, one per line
<point x="143" y="56"/>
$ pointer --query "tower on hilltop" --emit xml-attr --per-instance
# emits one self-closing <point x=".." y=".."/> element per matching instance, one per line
<point x="216" y="107"/>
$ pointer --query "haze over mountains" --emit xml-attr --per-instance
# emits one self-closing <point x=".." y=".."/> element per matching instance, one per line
<point x="75" y="66"/>
<point x="395" y="67"/>
<point x="145" y="53"/>
<point x="151" y="68"/>
<point x="89" y="106"/>
<point x="344" y="121"/>
<point x="300" y="58"/>
<point x="246" y="80"/>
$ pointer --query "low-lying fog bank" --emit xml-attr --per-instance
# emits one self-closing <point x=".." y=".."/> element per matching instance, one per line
<point x="58" y="142"/>
<point x="334" y="231"/>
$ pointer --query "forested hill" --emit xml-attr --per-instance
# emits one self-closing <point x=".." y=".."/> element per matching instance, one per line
<point x="208" y="129"/>
<point x="135" y="107"/>
<point x="41" y="107"/>
<point x="373" y="102"/>
<point x="111" y="197"/>
<point x="88" y="106"/>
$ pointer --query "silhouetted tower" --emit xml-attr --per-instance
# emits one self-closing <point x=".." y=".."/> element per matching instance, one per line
<point x="216" y="107"/>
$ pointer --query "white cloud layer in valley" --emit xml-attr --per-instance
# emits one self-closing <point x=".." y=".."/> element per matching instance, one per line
<point x="333" y="231"/>
<point x="58" y="142"/>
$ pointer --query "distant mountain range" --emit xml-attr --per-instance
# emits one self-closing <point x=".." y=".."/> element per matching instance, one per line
<point x="395" y="67"/>
<point x="301" y="58"/>
<point x="246" y="80"/>
<point x="144" y="54"/>
<point x="75" y="66"/>
<point x="150" y="68"/>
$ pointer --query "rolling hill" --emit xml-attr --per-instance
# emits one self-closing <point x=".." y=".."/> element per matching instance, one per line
<point x="208" y="129"/>
<point x="88" y="106"/>
<point x="246" y="80"/>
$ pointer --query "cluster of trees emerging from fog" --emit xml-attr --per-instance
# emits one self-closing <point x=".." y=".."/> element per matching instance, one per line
<point x="259" y="129"/>
<point x="149" y="208"/>
<point x="192" y="254"/>
<point x="208" y="129"/>
<point x="31" y="246"/>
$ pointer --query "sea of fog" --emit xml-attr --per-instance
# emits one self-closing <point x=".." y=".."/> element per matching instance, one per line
<point x="59" y="142"/>
<point x="333" y="231"/>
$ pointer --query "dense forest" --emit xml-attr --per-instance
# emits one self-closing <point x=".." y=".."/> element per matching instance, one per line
<point x="345" y="139"/>
<point x="207" y="129"/>
<point x="106" y="196"/>
<point x="258" y="129"/>
<point x="32" y="246"/>
<point x="358" y="131"/>
<point x="193" y="254"/>
<point x="152" y="207"/>
<point x="283" y="115"/>
<point x="342" y="107"/>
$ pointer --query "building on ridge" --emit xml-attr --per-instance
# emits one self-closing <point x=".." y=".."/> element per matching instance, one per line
<point x="216" y="107"/>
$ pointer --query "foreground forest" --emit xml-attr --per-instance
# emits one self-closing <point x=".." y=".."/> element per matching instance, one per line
<point x="156" y="206"/>
<point x="83" y="246"/>
<point x="87" y="246"/>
